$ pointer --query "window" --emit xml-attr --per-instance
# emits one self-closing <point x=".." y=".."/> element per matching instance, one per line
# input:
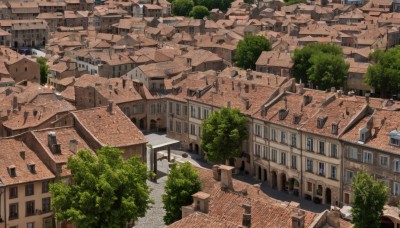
<point x="205" y="113"/>
<point x="294" y="162"/>
<point x="46" y="204"/>
<point x="13" y="211"/>
<point x="30" y="208"/>
<point x="273" y="155"/>
<point x="283" y="137"/>
<point x="283" y="158"/>
<point x="178" y="127"/>
<point x="45" y="186"/>
<point x="384" y="161"/>
<point x="293" y="140"/>
<point x="334" y="151"/>
<point x="257" y="150"/>
<point x="14" y="192"/>
<point x="265" y="153"/>
<point x="192" y="112"/>
<point x="152" y="108"/>
<point x="353" y="154"/>
<point x="265" y="132"/>
<point x="321" y="168"/>
<point x="368" y="157"/>
<point x="29" y="189"/>
<point x="199" y="113"/>
<point x="30" y="225"/>
<point x="177" y="109"/>
<point x="349" y="176"/>
<point x="257" y="130"/>
<point x="396" y="165"/>
<point x="396" y="188"/>
<point x="186" y="128"/>
<point x="273" y="133"/>
<point x="185" y="110"/>
<point x="333" y="172"/>
<point x="171" y="125"/>
<point x="309" y="186"/>
<point x="170" y="107"/>
<point x="200" y="131"/>
<point x="192" y="129"/>
<point x="309" y="165"/>
<point x="322" y="148"/>
<point x="310" y="144"/>
<point x="159" y="107"/>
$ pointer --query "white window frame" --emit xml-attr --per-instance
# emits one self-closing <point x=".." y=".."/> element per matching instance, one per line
<point x="368" y="157"/>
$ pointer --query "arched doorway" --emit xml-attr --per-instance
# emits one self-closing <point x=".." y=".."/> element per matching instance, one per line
<point x="386" y="222"/>
<point x="153" y="125"/>
<point x="142" y="124"/>
<point x="274" y="179"/>
<point x="191" y="147"/>
<point x="259" y="173"/>
<point x="293" y="186"/>
<point x="328" y="196"/>
<point x="283" y="182"/>
<point x="196" y="148"/>
<point x="265" y="175"/>
<point x="133" y="120"/>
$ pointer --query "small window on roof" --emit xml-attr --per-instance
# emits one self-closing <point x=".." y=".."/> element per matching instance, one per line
<point x="11" y="170"/>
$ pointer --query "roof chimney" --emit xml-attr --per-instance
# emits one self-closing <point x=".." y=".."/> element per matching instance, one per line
<point x="123" y="83"/>
<point x="216" y="172"/>
<point x="200" y="200"/>
<point x="367" y="98"/>
<point x="246" y="222"/>
<point x="298" y="219"/>
<point x="15" y="102"/>
<point x="26" y="114"/>
<point x="111" y="108"/>
<point x="51" y="139"/>
<point x="226" y="176"/>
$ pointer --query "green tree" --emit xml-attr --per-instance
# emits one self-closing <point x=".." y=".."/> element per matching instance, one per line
<point x="199" y="12"/>
<point x="214" y="4"/>
<point x="369" y="198"/>
<point x="249" y="49"/>
<point x="384" y="75"/>
<point x="307" y="66"/>
<point x="292" y="2"/>
<point x="223" y="133"/>
<point x="183" y="181"/>
<point x="182" y="7"/>
<point x="106" y="191"/>
<point x="44" y="69"/>
<point x="327" y="70"/>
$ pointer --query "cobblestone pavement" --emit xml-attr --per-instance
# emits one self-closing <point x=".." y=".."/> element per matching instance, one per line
<point x="154" y="217"/>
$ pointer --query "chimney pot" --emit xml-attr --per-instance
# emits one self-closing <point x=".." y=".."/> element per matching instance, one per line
<point x="111" y="108"/>
<point x="246" y="222"/>
<point x="298" y="219"/>
<point x="226" y="176"/>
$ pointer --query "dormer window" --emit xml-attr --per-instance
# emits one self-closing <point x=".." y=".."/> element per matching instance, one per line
<point x="31" y="167"/>
<point x="296" y="118"/>
<point x="394" y="138"/>
<point x="321" y="121"/>
<point x="334" y="128"/>
<point x="11" y="171"/>
<point x="282" y="114"/>
<point x="363" y="134"/>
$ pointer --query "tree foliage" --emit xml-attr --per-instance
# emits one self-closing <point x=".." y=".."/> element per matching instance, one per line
<point x="44" y="69"/>
<point x="183" y="181"/>
<point x="292" y="2"/>
<point x="384" y="75"/>
<point x="369" y="198"/>
<point x="182" y="7"/>
<point x="106" y="191"/>
<point x="223" y="133"/>
<point x="249" y="49"/>
<point x="321" y="64"/>
<point x="214" y="4"/>
<point x="199" y="12"/>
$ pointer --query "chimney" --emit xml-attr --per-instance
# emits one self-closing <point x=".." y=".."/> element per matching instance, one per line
<point x="248" y="74"/>
<point x="123" y="83"/>
<point x="200" y="200"/>
<point x="298" y="219"/>
<point x="367" y="98"/>
<point x="246" y="222"/>
<point x="73" y="146"/>
<point x="189" y="61"/>
<point x="22" y="154"/>
<point x="300" y="89"/>
<point x="15" y="102"/>
<point x="226" y="176"/>
<point x="333" y="89"/>
<point x="111" y="108"/>
<point x="26" y="114"/>
<point x="216" y="172"/>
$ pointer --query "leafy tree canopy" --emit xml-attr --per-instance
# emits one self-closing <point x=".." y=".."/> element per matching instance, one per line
<point x="369" y="197"/>
<point x="223" y="133"/>
<point x="249" y="49"/>
<point x="384" y="74"/>
<point x="214" y="4"/>
<point x="106" y="190"/>
<point x="292" y="2"/>
<point x="44" y="69"/>
<point x="182" y="7"/>
<point x="321" y="64"/>
<point x="183" y="181"/>
<point x="199" y="12"/>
